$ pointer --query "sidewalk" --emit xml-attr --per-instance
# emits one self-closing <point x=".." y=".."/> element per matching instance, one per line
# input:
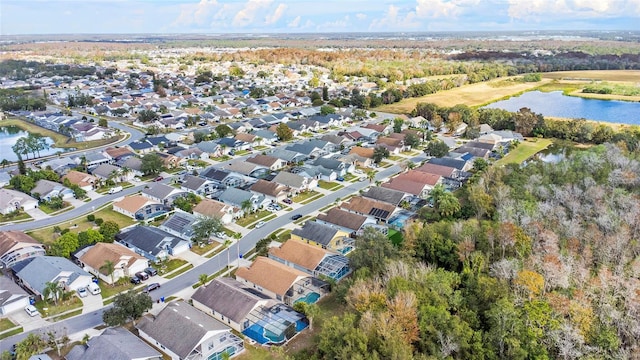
<point x="37" y="214"/>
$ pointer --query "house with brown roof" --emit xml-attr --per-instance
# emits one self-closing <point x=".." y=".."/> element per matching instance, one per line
<point x="139" y="207"/>
<point x="361" y="156"/>
<point x="414" y="182"/>
<point x="83" y="180"/>
<point x="272" y="191"/>
<point x="248" y="138"/>
<point x="271" y="162"/>
<point x="374" y="209"/>
<point x="444" y="171"/>
<point x="380" y="128"/>
<point x="119" y="153"/>
<point x="125" y="262"/>
<point x="395" y="146"/>
<point x="281" y="282"/>
<point x="16" y="246"/>
<point x="311" y="259"/>
<point x="362" y="151"/>
<point x="343" y="220"/>
<point x="212" y="208"/>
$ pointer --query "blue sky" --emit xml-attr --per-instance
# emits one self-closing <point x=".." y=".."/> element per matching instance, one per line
<point x="294" y="16"/>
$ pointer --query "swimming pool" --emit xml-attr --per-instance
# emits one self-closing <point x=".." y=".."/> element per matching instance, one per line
<point x="399" y="219"/>
<point x="310" y="298"/>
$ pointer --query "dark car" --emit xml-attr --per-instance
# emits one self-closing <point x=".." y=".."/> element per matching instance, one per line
<point x="231" y="153"/>
<point x="296" y="217"/>
<point x="151" y="287"/>
<point x="340" y="178"/>
<point x="135" y="280"/>
<point x="159" y="178"/>
<point x="287" y="201"/>
<point x="151" y="271"/>
<point x="142" y="275"/>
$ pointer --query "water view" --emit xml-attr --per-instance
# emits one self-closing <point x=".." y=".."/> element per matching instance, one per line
<point x="10" y="134"/>
<point x="557" y="104"/>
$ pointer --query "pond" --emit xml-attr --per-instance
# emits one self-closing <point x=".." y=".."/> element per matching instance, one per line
<point x="555" y="153"/>
<point x="557" y="104"/>
<point x="10" y="134"/>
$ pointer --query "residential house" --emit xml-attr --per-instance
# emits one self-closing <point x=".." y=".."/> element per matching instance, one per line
<point x="271" y="191"/>
<point x="169" y="161"/>
<point x="106" y="172"/>
<point x="153" y="243"/>
<point x="268" y="137"/>
<point x="291" y="157"/>
<point x="35" y="272"/>
<point x="115" y="343"/>
<point x="184" y="332"/>
<point x="324" y="236"/>
<point x="125" y="262"/>
<point x="459" y="164"/>
<point x="93" y="159"/>
<point x="444" y="171"/>
<point x="210" y="147"/>
<point x="295" y="183"/>
<point x="337" y="140"/>
<point x="216" y="176"/>
<point x="192" y="153"/>
<point x="244" y="171"/>
<point x="311" y="259"/>
<point x="344" y="220"/>
<point x="474" y="152"/>
<point x="212" y="208"/>
<point x="414" y="182"/>
<point x="162" y="193"/>
<point x="133" y="164"/>
<point x="141" y="147"/>
<point x="281" y="282"/>
<point x="247" y="138"/>
<point x="11" y="200"/>
<point x="82" y="180"/>
<point x="248" y="311"/>
<point x="59" y="165"/>
<point x="390" y="196"/>
<point x="197" y="185"/>
<point x="180" y="224"/>
<point x="12" y="297"/>
<point x="46" y="190"/>
<point x="237" y="197"/>
<point x="119" y="153"/>
<point x="158" y="142"/>
<point x="340" y="167"/>
<point x="139" y="207"/>
<point x="232" y="144"/>
<point x="16" y="246"/>
<point x="374" y="209"/>
<point x="394" y="145"/>
<point x="382" y="129"/>
<point x="270" y="162"/>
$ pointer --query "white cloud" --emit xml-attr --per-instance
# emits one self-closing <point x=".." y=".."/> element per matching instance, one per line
<point x="277" y="14"/>
<point x="195" y="13"/>
<point x="247" y="14"/>
<point x="361" y="16"/>
<point x="525" y="9"/>
<point x="393" y="20"/>
<point x="444" y="8"/>
<point x="295" y="22"/>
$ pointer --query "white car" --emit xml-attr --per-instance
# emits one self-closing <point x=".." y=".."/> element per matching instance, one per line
<point x="259" y="224"/>
<point x="31" y="310"/>
<point x="82" y="292"/>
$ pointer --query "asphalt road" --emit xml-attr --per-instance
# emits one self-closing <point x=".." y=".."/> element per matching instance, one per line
<point x="212" y="266"/>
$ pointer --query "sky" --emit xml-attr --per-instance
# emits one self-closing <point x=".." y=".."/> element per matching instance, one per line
<point x="306" y="16"/>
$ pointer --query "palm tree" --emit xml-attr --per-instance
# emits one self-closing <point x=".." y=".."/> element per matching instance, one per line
<point x="51" y="290"/>
<point x="125" y="171"/>
<point x="83" y="162"/>
<point x="311" y="311"/>
<point x="371" y="175"/>
<point x="202" y="279"/>
<point x="109" y="268"/>
<point x="246" y="206"/>
<point x="410" y="165"/>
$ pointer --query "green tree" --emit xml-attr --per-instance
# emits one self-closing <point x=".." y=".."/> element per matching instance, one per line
<point x="4" y="163"/>
<point x="205" y="227"/>
<point x="309" y="310"/>
<point x="397" y="125"/>
<point x="52" y="291"/>
<point x="325" y="93"/>
<point x="223" y="130"/>
<point x="109" y="230"/>
<point x="246" y="206"/>
<point x="146" y="116"/>
<point x="373" y="250"/>
<point x="202" y="279"/>
<point x="436" y="148"/>
<point x="341" y="338"/>
<point x="411" y="140"/>
<point x="327" y="109"/>
<point x="444" y="202"/>
<point x="108" y="268"/>
<point x="151" y="164"/>
<point x="371" y="175"/>
<point x="380" y="153"/>
<point x="284" y="132"/>
<point x="33" y="344"/>
<point x="64" y="245"/>
<point x="128" y="306"/>
<point x="89" y="237"/>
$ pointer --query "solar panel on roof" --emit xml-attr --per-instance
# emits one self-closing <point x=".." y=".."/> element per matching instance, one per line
<point x="379" y="213"/>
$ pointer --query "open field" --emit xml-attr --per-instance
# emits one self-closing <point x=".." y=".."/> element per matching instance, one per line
<point x="525" y="150"/>
<point x="471" y="95"/>
<point x="595" y="75"/>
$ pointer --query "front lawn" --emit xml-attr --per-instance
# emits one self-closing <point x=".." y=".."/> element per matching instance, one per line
<point x="45" y="235"/>
<point x="121" y="286"/>
<point x="50" y="210"/>
<point x="14" y="216"/>
<point x="304" y="196"/>
<point x="6" y="324"/>
<point x="168" y="266"/>
<point x="327" y="185"/>
<point x="251" y="218"/>
<point x="204" y="248"/>
<point x="243" y="152"/>
<point x="63" y="305"/>
<point x="221" y="158"/>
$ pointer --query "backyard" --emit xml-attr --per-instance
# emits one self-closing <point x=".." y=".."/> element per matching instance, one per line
<point x="524" y="151"/>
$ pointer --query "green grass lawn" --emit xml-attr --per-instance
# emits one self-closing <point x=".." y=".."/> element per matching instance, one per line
<point x="168" y="266"/>
<point x="176" y="273"/>
<point x="304" y="196"/>
<point x="49" y="210"/>
<point x="73" y="303"/>
<point x="395" y="158"/>
<point x="350" y="177"/>
<point x="243" y="152"/>
<point x="45" y="235"/>
<point x="260" y="147"/>
<point x="11" y="333"/>
<point x="67" y="315"/>
<point x="251" y="218"/>
<point x="329" y="185"/>
<point x="524" y="151"/>
<point x="107" y="290"/>
<point x="395" y="237"/>
<point x="205" y="248"/>
<point x="221" y="158"/>
<point x="265" y="219"/>
<point x="14" y="217"/>
<point x="6" y="324"/>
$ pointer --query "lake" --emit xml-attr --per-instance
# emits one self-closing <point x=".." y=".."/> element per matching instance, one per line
<point x="557" y="104"/>
<point x="10" y="134"/>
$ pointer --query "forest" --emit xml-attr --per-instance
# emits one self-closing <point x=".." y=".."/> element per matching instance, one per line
<point x="538" y="262"/>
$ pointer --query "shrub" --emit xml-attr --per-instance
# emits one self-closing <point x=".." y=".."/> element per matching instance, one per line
<point x="64" y="231"/>
<point x="99" y="221"/>
<point x="91" y="217"/>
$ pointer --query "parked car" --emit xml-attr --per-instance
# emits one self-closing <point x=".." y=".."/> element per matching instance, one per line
<point x="220" y="235"/>
<point x="259" y="224"/>
<point x="296" y="217"/>
<point x="231" y="152"/>
<point x="115" y="189"/>
<point x="31" y="310"/>
<point x="151" y="287"/>
<point x="82" y="292"/>
<point x="135" y="280"/>
<point x="159" y="178"/>
<point x="142" y="275"/>
<point x="287" y="201"/>
<point x="340" y="178"/>
<point x="151" y="271"/>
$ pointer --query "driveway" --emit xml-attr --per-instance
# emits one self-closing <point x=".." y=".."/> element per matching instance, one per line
<point x="27" y="322"/>
<point x="91" y="303"/>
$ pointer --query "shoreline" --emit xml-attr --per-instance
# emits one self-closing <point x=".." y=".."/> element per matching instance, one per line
<point x="615" y="126"/>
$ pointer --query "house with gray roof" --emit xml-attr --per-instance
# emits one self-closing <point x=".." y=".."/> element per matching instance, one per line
<point x="344" y="220"/>
<point x="235" y="197"/>
<point x="210" y="147"/>
<point x="115" y="343"/>
<point x="59" y="165"/>
<point x="294" y="182"/>
<point x="268" y="137"/>
<point x="180" y="224"/>
<point x="94" y="159"/>
<point x="289" y="156"/>
<point x="197" y="185"/>
<point x="152" y="243"/>
<point x="340" y="167"/>
<point x="47" y="190"/>
<point x="249" y="311"/>
<point x="12" y="296"/>
<point x="184" y="332"/>
<point x="12" y="200"/>
<point x="321" y="235"/>
<point x="108" y="171"/>
<point x="132" y="163"/>
<point x="389" y="196"/>
<point x="35" y="272"/>
<point x="162" y="193"/>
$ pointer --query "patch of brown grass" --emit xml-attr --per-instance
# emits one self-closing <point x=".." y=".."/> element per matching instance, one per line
<point x="595" y="75"/>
